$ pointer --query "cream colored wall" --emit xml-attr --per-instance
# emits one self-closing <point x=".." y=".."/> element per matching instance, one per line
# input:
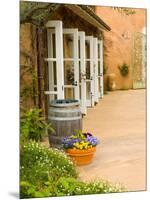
<point x="118" y="49"/>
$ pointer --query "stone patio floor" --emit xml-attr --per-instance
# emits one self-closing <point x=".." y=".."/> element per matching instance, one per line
<point x="119" y="122"/>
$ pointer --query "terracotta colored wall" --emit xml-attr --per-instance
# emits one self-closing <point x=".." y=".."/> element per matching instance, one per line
<point x="27" y="60"/>
<point x="118" y="49"/>
<point x="29" y="84"/>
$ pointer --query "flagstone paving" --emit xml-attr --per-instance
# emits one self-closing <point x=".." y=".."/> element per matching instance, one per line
<point x="119" y="122"/>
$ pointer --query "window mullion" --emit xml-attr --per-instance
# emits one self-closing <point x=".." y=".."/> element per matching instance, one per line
<point x="76" y="64"/>
<point x="92" y="70"/>
<point x="95" y="69"/>
<point x="82" y="71"/>
<point x="59" y="60"/>
<point x="50" y="65"/>
<point x="101" y="69"/>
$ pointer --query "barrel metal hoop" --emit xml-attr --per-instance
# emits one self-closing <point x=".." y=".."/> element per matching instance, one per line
<point x="64" y="105"/>
<point x="64" y="110"/>
<point x="64" y="118"/>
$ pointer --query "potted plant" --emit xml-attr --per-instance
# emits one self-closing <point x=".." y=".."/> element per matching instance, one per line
<point x="124" y="69"/>
<point x="80" y="147"/>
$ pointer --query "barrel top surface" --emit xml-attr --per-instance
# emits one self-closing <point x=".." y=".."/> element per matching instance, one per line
<point x="64" y="103"/>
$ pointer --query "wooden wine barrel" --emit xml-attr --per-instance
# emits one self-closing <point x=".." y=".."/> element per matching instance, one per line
<point x="65" y="116"/>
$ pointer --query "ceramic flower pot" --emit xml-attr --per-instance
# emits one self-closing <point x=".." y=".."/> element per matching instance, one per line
<point x="81" y="157"/>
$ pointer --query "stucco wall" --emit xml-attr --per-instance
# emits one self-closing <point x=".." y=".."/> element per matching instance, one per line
<point x="118" y="42"/>
<point x="28" y="65"/>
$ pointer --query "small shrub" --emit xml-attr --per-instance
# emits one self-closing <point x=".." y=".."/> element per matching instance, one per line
<point x="72" y="186"/>
<point x="46" y="172"/>
<point x="69" y="186"/>
<point x="33" y="126"/>
<point x="38" y="163"/>
<point x="124" y="69"/>
<point x="103" y="186"/>
<point x="27" y="190"/>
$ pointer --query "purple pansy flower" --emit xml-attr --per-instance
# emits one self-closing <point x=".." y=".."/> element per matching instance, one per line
<point x="68" y="142"/>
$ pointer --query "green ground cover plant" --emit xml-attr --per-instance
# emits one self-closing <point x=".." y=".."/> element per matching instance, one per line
<point x="46" y="172"/>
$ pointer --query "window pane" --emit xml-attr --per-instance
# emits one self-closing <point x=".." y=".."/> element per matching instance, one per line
<point x="52" y="43"/>
<point x="87" y="49"/>
<point x="99" y="51"/>
<point x="68" y="72"/>
<point x="79" y="49"/>
<point x="98" y="67"/>
<point x="88" y="90"/>
<point x="79" y="72"/>
<point x="53" y="46"/>
<point x="52" y="75"/>
<point x="69" y="93"/>
<point x="88" y="75"/>
<point x="80" y="90"/>
<point x="68" y="45"/>
<point x="99" y="89"/>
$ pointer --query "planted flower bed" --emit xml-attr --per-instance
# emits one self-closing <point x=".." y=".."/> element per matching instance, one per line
<point x="80" y="147"/>
<point x="48" y="172"/>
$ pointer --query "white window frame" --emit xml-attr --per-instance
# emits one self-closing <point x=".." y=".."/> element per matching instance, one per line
<point x="75" y="58"/>
<point x="90" y="103"/>
<point x="95" y="57"/>
<point x="57" y="25"/>
<point x="101" y="94"/>
<point x="81" y="35"/>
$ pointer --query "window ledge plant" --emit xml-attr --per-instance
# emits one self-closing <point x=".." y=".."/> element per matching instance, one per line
<point x="80" y="147"/>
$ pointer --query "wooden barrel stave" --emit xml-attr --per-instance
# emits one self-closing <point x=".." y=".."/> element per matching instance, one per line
<point x="65" y="120"/>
